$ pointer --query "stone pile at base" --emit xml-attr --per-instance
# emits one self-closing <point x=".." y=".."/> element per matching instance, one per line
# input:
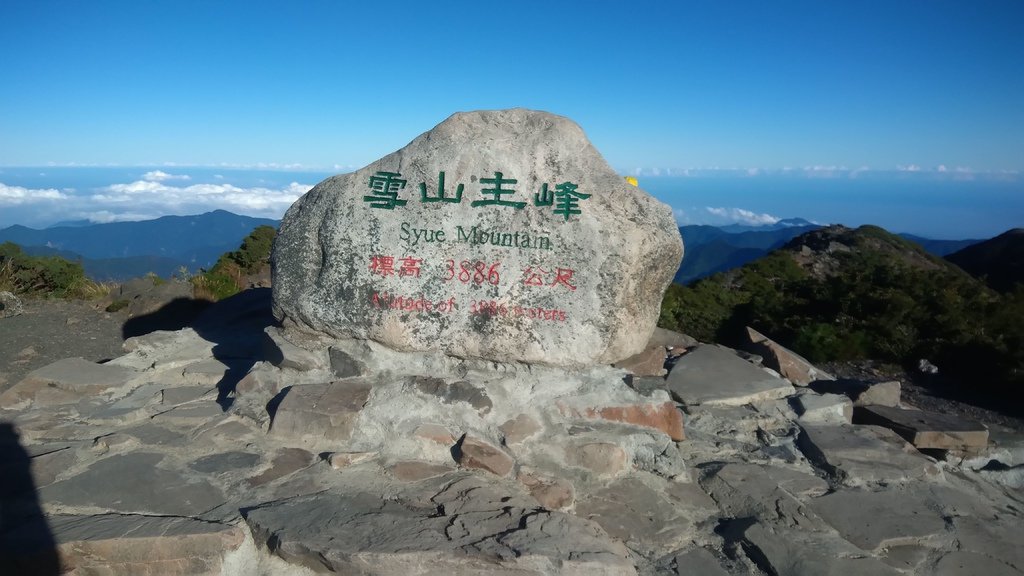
<point x="226" y="449"/>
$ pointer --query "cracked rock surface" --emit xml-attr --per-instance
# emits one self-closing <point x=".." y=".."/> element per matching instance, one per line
<point x="226" y="449"/>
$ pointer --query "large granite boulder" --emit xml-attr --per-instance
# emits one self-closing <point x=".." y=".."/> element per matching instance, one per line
<point x="501" y="235"/>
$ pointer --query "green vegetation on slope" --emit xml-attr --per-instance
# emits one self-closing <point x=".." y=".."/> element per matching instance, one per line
<point x="840" y="294"/>
<point x="44" y="276"/>
<point x="225" y="278"/>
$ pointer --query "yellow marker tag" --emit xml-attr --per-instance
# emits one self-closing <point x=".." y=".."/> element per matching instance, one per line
<point x="632" y="181"/>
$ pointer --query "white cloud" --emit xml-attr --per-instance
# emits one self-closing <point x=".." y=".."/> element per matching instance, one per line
<point x="161" y="176"/>
<point x="17" y="195"/>
<point x="741" y="216"/>
<point x="164" y="198"/>
<point x="682" y="218"/>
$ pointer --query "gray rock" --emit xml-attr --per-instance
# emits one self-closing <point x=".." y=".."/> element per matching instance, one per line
<point x="767" y="492"/>
<point x="477" y="454"/>
<point x="314" y="413"/>
<point x="126" y="545"/>
<point x="788" y="552"/>
<point x="698" y="561"/>
<point x="862" y="393"/>
<point x="927" y="429"/>
<point x="10" y="305"/>
<point x="224" y="462"/>
<point x="969" y="563"/>
<point x="824" y="408"/>
<point x="282" y="353"/>
<point x="784" y="361"/>
<point x="449" y="392"/>
<point x="495" y="271"/>
<point x="470" y="527"/>
<point x="645" y="519"/>
<point x="135" y="484"/>
<point x="344" y="365"/>
<point x="670" y="339"/>
<point x="863" y="454"/>
<point x="650" y="362"/>
<point x="715" y="375"/>
<point x="875" y="520"/>
<point x="65" y="381"/>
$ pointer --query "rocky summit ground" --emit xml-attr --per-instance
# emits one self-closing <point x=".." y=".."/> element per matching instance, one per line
<point x="232" y="447"/>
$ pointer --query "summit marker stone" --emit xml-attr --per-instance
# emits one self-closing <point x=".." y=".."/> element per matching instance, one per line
<point x="501" y="235"/>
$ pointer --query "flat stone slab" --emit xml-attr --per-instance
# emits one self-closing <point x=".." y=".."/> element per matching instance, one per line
<point x="717" y="376"/>
<point x="875" y="520"/>
<point x="119" y="544"/>
<point x="863" y="454"/>
<point x="766" y="492"/>
<point x="64" y="382"/>
<point x="314" y="413"/>
<point x="927" y="429"/>
<point x="468" y="527"/>
<point x="647" y="520"/>
<point x="824" y="408"/>
<point x="799" y="553"/>
<point x="134" y="484"/>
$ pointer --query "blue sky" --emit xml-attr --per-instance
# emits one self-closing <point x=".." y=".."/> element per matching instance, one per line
<point x="659" y="87"/>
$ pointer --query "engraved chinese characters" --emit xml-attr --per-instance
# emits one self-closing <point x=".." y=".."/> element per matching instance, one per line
<point x="501" y="235"/>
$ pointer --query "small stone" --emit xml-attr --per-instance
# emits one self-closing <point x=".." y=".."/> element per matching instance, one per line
<point x="10" y="305"/>
<point x="650" y="362"/>
<point x="716" y="375"/>
<point x="262" y="380"/>
<point x="283" y="354"/>
<point x="435" y="433"/>
<point x="673" y="340"/>
<point x="339" y="460"/>
<point x="205" y="372"/>
<point x="475" y="453"/>
<point x="552" y="493"/>
<point x="519" y="429"/>
<point x="319" y="413"/>
<point x="659" y="415"/>
<point x="343" y="365"/>
<point x="927" y="429"/>
<point x="414" y="471"/>
<point x="602" y="458"/>
<point x="451" y="392"/>
<point x="287" y="461"/>
<point x="225" y="462"/>
<point x="789" y="364"/>
<point x="824" y="408"/>
<point x="880" y="394"/>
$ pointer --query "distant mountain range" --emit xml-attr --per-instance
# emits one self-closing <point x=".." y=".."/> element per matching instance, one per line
<point x="712" y="249"/>
<point x="122" y="250"/>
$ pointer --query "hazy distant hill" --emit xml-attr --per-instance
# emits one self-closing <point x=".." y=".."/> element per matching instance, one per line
<point x="712" y="249"/>
<point x="939" y="247"/>
<point x="999" y="262"/>
<point x="121" y="250"/>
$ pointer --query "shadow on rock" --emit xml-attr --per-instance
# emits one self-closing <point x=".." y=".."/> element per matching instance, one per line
<point x="175" y="315"/>
<point x="27" y="545"/>
<point x="235" y="325"/>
